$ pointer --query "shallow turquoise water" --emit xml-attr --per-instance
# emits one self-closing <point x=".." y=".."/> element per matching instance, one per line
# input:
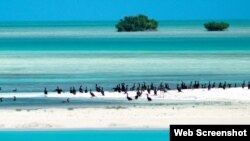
<point x="31" y="71"/>
<point x="38" y="55"/>
<point x="88" y="135"/>
<point x="126" y="44"/>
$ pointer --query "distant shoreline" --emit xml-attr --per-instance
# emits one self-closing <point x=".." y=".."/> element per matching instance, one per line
<point x="106" y="29"/>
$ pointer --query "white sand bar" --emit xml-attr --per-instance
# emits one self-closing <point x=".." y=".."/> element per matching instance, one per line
<point x="231" y="106"/>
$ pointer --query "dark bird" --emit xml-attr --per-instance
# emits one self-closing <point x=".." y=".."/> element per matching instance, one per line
<point x="213" y="86"/>
<point x="209" y="86"/>
<point x="1" y="99"/>
<point x="139" y="93"/>
<point x="129" y="98"/>
<point x="132" y="88"/>
<point x="58" y="90"/>
<point x="123" y="88"/>
<point x="67" y="101"/>
<point x="161" y="88"/>
<point x="224" y="85"/>
<point x="178" y="88"/>
<point x="117" y="88"/>
<point x="73" y="90"/>
<point x="102" y="92"/>
<point x="45" y="91"/>
<point x="149" y="98"/>
<point x="80" y="89"/>
<point x="248" y="85"/>
<point x="183" y="85"/>
<point x="167" y="86"/>
<point x="152" y="86"/>
<point x="137" y="96"/>
<point x="148" y="90"/>
<point x="97" y="88"/>
<point x="220" y="85"/>
<point x="198" y="85"/>
<point x="155" y="91"/>
<point x="14" y="98"/>
<point x="243" y="84"/>
<point x="86" y="90"/>
<point x="15" y="90"/>
<point x="91" y="93"/>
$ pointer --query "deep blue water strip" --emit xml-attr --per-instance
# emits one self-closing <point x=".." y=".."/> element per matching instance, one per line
<point x="86" y="135"/>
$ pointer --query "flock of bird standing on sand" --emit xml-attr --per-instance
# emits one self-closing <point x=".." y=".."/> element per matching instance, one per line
<point x="142" y="88"/>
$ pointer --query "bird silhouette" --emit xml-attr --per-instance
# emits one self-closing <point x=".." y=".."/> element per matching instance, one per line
<point x="45" y="91"/>
<point x="102" y="92"/>
<point x="86" y="90"/>
<point x="15" y="90"/>
<point x="129" y="98"/>
<point x="91" y="93"/>
<point x="80" y="89"/>
<point x="149" y="98"/>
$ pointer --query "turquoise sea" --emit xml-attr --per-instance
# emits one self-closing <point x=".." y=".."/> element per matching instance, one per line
<point x="47" y="54"/>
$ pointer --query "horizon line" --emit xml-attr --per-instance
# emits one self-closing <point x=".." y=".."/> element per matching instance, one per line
<point x="20" y="21"/>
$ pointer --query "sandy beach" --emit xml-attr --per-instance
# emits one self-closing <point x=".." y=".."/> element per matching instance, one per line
<point x="218" y="106"/>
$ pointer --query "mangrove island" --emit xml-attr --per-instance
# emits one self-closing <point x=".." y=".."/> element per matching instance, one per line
<point x="136" y="23"/>
<point x="216" y="26"/>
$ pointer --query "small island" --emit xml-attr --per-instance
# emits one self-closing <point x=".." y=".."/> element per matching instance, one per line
<point x="136" y="23"/>
<point x="216" y="26"/>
